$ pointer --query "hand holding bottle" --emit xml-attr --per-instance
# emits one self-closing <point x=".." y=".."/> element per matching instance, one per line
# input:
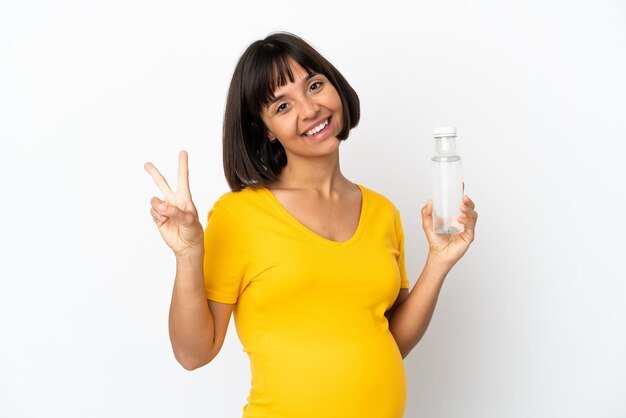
<point x="447" y="249"/>
<point x="176" y="215"/>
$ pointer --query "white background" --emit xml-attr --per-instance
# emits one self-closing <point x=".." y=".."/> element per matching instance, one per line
<point x="530" y="322"/>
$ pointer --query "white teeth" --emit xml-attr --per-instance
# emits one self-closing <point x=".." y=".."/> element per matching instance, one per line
<point x="317" y="128"/>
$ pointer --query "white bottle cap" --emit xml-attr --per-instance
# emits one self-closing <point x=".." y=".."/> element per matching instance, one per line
<point x="444" y="131"/>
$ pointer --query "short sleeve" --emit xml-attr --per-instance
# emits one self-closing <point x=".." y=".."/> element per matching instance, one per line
<point x="225" y="256"/>
<point x="404" y="280"/>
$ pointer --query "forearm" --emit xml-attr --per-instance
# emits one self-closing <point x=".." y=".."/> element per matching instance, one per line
<point x="411" y="318"/>
<point x="191" y="325"/>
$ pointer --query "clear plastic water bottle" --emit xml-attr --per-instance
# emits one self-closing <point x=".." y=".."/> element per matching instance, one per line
<point x="447" y="182"/>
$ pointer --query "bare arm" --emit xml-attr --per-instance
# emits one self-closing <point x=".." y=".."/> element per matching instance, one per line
<point x="412" y="314"/>
<point x="197" y="327"/>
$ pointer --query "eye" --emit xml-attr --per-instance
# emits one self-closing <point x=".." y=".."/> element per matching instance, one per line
<point x="281" y="107"/>
<point x="316" y="86"/>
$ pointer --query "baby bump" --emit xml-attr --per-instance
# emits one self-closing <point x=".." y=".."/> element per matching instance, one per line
<point x="343" y="378"/>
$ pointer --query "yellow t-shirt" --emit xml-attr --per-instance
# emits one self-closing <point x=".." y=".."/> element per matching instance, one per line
<point x="310" y="311"/>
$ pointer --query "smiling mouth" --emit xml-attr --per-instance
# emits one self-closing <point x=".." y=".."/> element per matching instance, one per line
<point x="319" y="128"/>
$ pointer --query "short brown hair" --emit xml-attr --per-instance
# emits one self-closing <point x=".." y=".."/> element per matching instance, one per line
<point x="250" y="159"/>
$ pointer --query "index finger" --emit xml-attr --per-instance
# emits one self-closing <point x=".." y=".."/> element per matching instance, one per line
<point x="158" y="178"/>
<point x="183" y="171"/>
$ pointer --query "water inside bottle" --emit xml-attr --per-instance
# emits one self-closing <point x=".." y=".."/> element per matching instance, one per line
<point x="447" y="194"/>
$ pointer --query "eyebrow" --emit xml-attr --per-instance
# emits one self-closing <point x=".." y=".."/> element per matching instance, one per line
<point x="282" y="96"/>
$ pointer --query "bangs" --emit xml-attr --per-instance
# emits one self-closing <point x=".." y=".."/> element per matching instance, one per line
<point x="274" y="71"/>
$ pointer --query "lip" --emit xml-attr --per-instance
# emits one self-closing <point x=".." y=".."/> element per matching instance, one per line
<point x="321" y="134"/>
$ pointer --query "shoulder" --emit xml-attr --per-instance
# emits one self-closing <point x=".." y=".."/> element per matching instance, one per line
<point x="377" y="200"/>
<point x="234" y="199"/>
<point x="380" y="211"/>
<point x="239" y="203"/>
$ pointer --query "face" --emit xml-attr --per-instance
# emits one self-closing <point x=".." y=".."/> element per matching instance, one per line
<point x="306" y="115"/>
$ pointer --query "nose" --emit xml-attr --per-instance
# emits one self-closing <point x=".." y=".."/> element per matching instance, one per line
<point x="308" y="108"/>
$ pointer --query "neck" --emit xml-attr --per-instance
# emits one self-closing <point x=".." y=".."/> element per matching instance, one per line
<point x="322" y="174"/>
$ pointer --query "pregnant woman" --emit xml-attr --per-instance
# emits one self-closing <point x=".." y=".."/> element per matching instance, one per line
<point x="311" y="264"/>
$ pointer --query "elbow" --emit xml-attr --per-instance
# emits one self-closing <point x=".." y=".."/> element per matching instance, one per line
<point x="405" y="347"/>
<point x="190" y="363"/>
<point x="405" y="352"/>
<point x="190" y="366"/>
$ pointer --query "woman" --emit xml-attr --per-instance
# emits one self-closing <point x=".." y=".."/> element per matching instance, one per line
<point x="311" y="264"/>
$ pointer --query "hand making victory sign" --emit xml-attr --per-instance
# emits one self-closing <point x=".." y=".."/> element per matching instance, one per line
<point x="176" y="216"/>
